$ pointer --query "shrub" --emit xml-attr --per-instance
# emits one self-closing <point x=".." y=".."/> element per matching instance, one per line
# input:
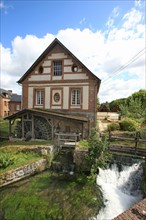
<point x="83" y="143"/>
<point x="143" y="133"/>
<point x="6" y="160"/>
<point x="128" y="124"/>
<point x="98" y="153"/>
<point x="113" y="126"/>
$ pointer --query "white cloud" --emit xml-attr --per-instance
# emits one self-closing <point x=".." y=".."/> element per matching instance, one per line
<point x="2" y="5"/>
<point x="82" y="20"/>
<point x="138" y="3"/>
<point x="132" y="18"/>
<point x="115" y="12"/>
<point x="111" y="19"/>
<point x="102" y="52"/>
<point x="5" y="7"/>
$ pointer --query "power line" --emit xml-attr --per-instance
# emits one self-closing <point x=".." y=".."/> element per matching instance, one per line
<point x="132" y="60"/>
<point x="120" y="70"/>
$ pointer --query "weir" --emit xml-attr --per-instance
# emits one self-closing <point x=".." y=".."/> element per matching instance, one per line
<point x="126" y="159"/>
<point x="121" y="188"/>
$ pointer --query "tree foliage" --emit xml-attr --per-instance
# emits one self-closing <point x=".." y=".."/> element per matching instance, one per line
<point x="115" y="104"/>
<point x="135" y="106"/>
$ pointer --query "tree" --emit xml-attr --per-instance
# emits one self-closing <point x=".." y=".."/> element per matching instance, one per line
<point x="135" y="106"/>
<point x="104" y="107"/>
<point x="115" y="105"/>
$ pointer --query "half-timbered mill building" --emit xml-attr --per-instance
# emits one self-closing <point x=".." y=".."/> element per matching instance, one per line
<point x="59" y="94"/>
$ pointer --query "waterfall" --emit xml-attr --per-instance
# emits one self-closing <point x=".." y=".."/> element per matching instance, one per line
<point x="120" y="189"/>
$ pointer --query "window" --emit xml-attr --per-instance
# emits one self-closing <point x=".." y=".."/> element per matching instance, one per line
<point x="17" y="107"/>
<point x="39" y="97"/>
<point x="57" y="68"/>
<point x="75" y="97"/>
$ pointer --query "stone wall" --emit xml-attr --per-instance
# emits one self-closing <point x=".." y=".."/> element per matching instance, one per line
<point x="40" y="165"/>
<point x="79" y="160"/>
<point x="22" y="172"/>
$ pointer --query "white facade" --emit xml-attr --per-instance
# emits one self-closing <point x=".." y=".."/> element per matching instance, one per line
<point x="64" y="94"/>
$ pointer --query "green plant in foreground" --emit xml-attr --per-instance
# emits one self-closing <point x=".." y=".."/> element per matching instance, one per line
<point x="6" y="160"/>
<point x="98" y="153"/>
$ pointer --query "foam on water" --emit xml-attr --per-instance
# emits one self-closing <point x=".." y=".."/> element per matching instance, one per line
<point x="120" y="189"/>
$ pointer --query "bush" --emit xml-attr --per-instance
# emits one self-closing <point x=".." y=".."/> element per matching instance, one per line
<point x="113" y="126"/>
<point x="128" y="124"/>
<point x="6" y="160"/>
<point x="143" y="133"/>
<point x="98" y="153"/>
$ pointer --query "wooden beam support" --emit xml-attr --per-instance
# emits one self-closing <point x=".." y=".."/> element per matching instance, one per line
<point x="32" y="124"/>
<point x="10" y="128"/>
<point x="22" y="127"/>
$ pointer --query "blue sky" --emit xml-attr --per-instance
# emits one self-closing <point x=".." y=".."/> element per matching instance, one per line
<point x="104" y="35"/>
<point x="40" y="17"/>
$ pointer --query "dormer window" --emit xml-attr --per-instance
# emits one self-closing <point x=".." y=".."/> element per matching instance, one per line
<point x="57" y="68"/>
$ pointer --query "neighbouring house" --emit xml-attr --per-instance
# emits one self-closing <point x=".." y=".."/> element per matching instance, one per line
<point x="14" y="103"/>
<point x="59" y="94"/>
<point x="5" y="96"/>
<point x="10" y="103"/>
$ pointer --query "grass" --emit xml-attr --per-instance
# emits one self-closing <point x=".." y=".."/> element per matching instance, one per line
<point x="20" y="143"/>
<point x="129" y="143"/>
<point x="4" y="128"/>
<point x="13" y="157"/>
<point x="50" y="196"/>
<point x="83" y="144"/>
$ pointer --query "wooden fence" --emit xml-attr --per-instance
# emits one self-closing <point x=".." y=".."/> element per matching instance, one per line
<point x="68" y="139"/>
<point x="127" y="148"/>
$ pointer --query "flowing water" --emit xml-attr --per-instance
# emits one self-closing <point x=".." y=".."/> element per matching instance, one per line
<point x="120" y="189"/>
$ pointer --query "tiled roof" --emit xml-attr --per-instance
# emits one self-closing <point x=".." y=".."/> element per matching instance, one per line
<point x="5" y="93"/>
<point x="16" y="98"/>
<point x="48" y="113"/>
<point x="136" y="212"/>
<point x="9" y="95"/>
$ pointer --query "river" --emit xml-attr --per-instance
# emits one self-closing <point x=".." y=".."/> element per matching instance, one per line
<point x="121" y="189"/>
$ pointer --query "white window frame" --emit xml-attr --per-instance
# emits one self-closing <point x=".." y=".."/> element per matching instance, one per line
<point x="57" y="67"/>
<point x="76" y="97"/>
<point x="39" y="97"/>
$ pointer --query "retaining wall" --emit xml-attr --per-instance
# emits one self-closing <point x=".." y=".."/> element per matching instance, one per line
<point x="22" y="172"/>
